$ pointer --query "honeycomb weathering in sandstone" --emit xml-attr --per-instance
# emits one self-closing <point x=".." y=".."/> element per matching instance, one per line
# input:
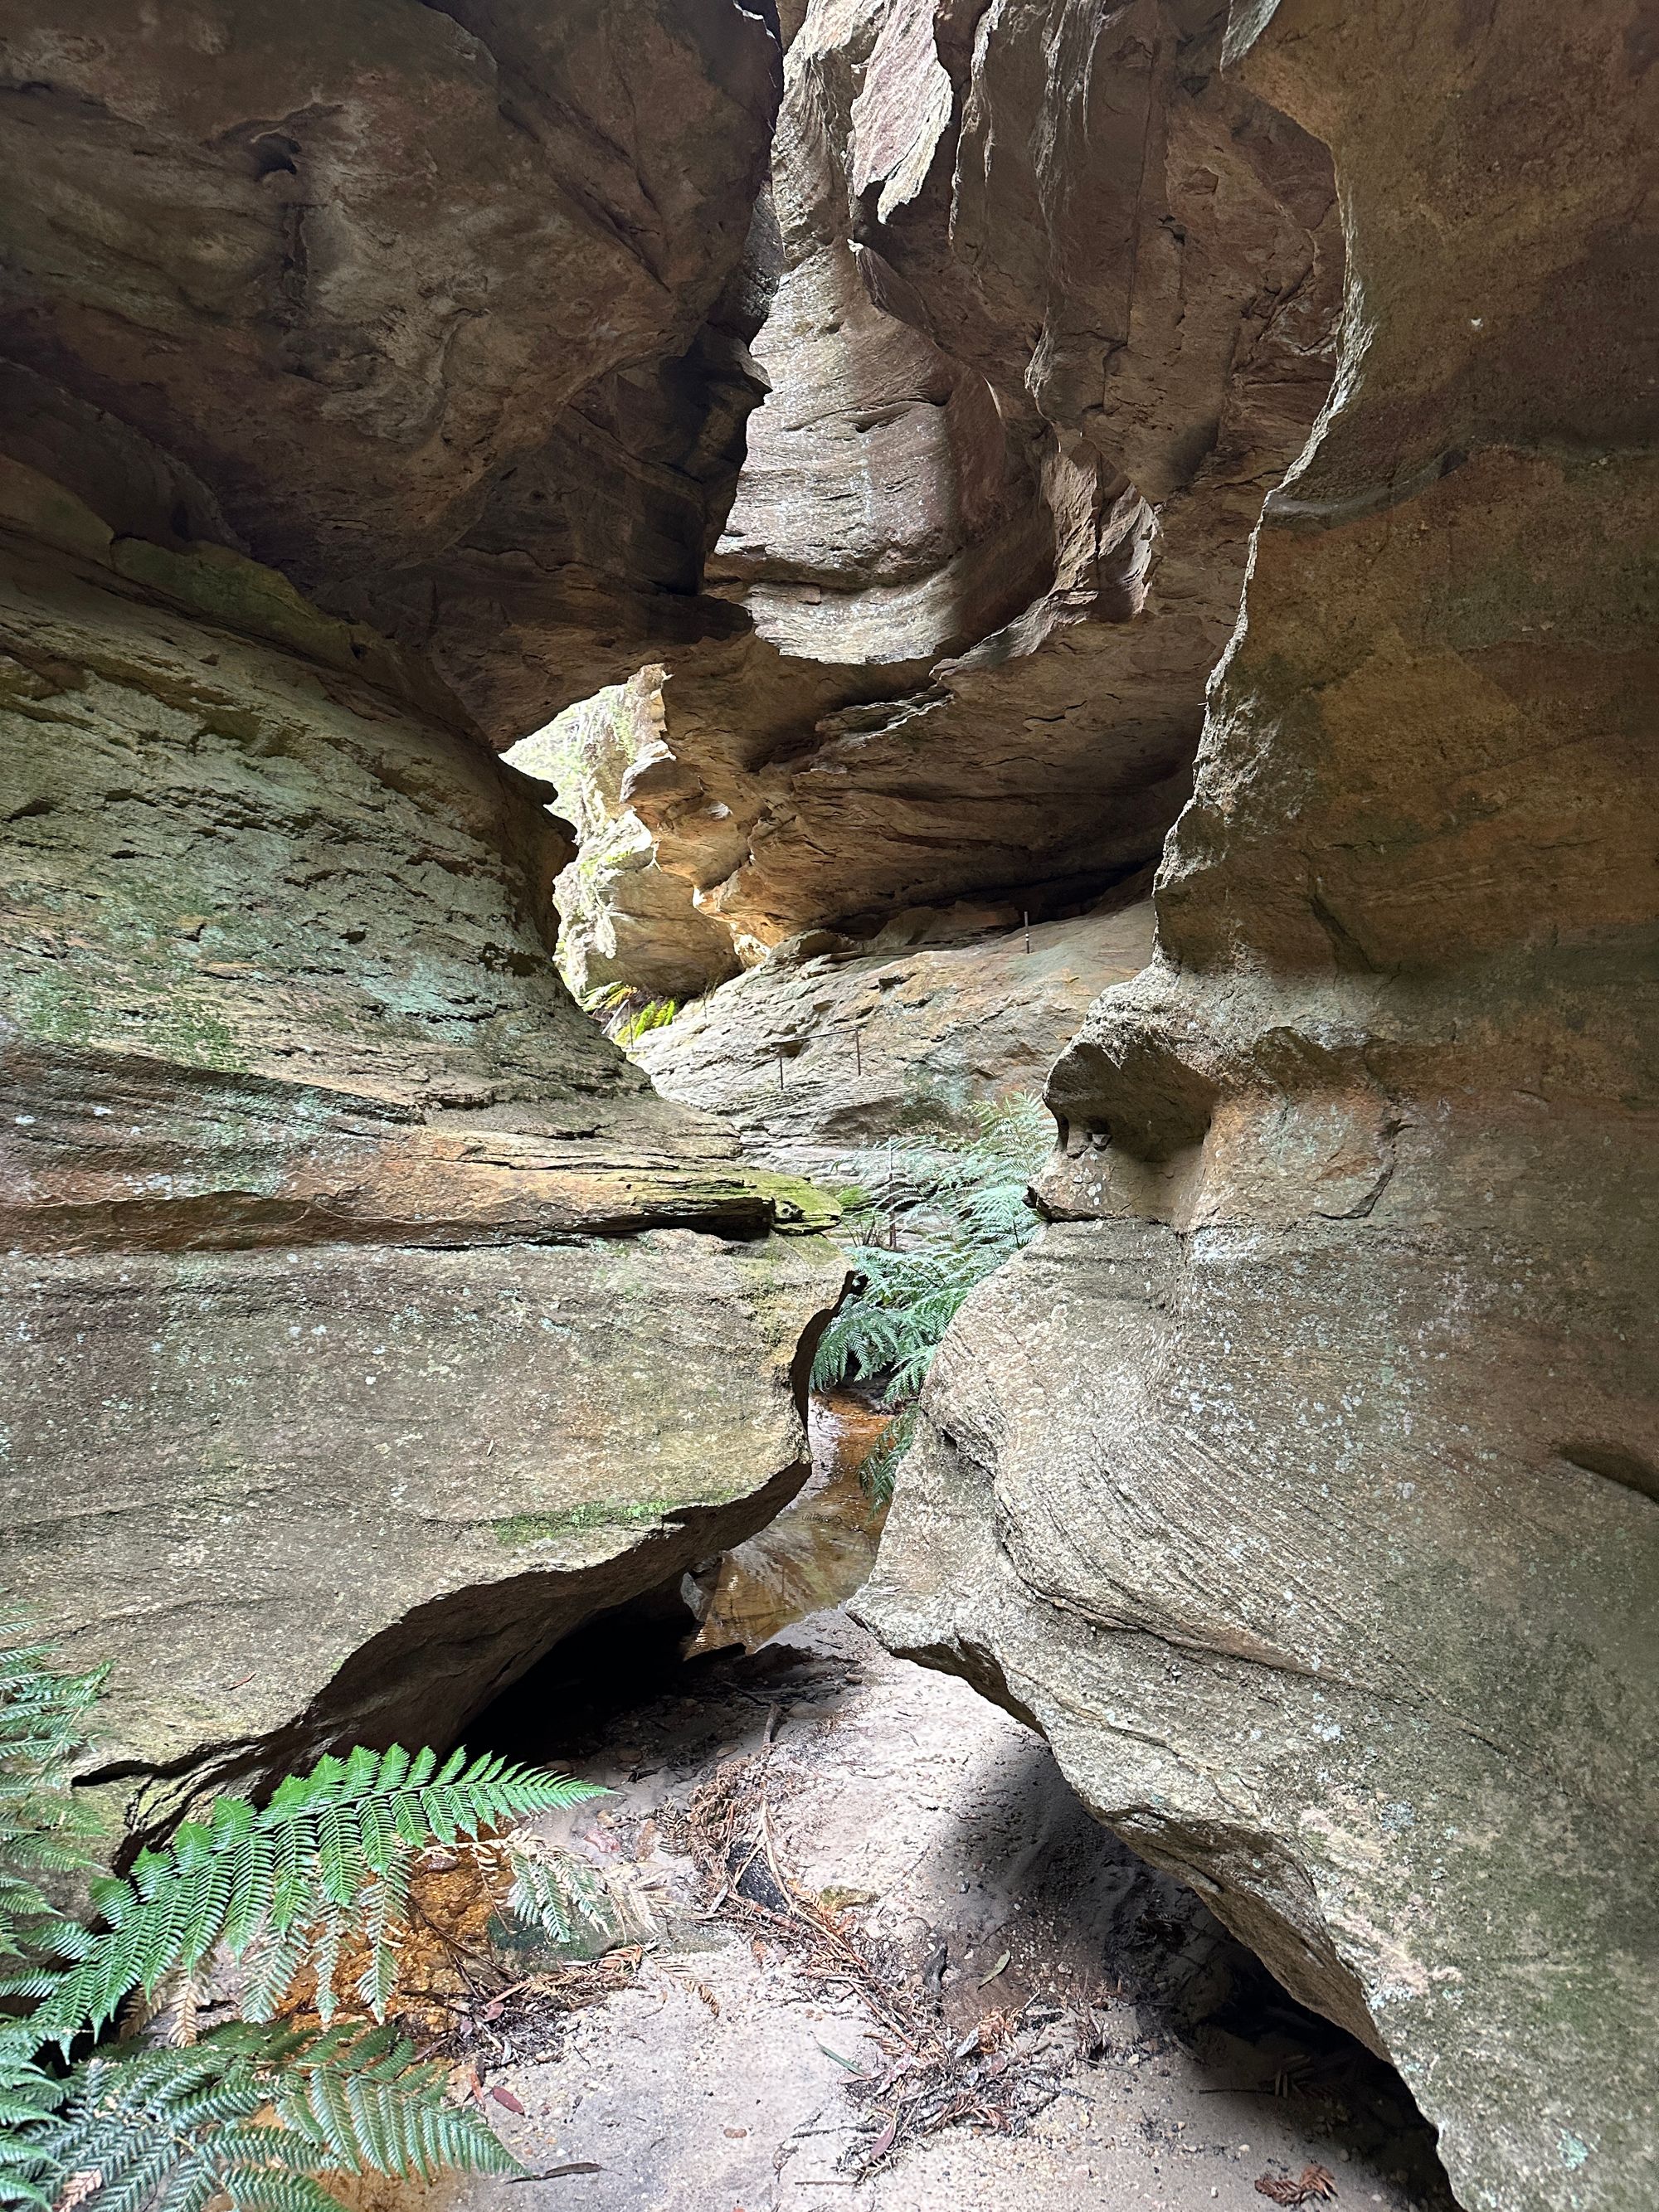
<point x="1299" y="1481"/>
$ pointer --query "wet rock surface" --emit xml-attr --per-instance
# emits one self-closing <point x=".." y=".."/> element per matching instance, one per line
<point x="1297" y="1481"/>
<point x="816" y="1554"/>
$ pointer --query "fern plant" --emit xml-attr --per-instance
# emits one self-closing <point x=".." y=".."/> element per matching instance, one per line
<point x="554" y="1897"/>
<point x="625" y="1013"/>
<point x="43" y="1830"/>
<point x="257" y="2111"/>
<point x="974" y="1213"/>
<point x="257" y="2114"/>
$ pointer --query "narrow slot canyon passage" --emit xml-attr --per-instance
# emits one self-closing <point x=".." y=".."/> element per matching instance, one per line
<point x="867" y="1912"/>
<point x="829" y="1077"/>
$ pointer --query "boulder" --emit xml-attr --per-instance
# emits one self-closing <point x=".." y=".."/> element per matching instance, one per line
<point x="1302" y="1481"/>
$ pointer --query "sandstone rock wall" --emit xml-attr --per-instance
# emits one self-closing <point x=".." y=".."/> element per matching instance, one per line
<point x="446" y="304"/>
<point x="818" y="1055"/>
<point x="1300" y="1483"/>
<point x="372" y="1321"/>
<point x="1055" y="311"/>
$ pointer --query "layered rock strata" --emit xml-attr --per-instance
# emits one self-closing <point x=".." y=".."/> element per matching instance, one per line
<point x="444" y="313"/>
<point x="1054" y="313"/>
<point x="446" y="305"/>
<point x="831" y="1048"/>
<point x="371" y="1320"/>
<point x="1302" y="1482"/>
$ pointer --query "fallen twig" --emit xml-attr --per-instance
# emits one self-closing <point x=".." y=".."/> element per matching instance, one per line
<point x="928" y="2079"/>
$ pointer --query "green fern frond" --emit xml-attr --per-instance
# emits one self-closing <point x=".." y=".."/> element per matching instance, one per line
<point x="557" y="1896"/>
<point x="164" y="2129"/>
<point x="29" y="2097"/>
<point x="966" y="1212"/>
<point x="281" y="1884"/>
<point x="655" y="1014"/>
<point x="253" y="2115"/>
<point x="879" y="1473"/>
<point x="44" y="1719"/>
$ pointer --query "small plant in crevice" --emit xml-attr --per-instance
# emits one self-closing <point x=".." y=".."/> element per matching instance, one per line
<point x="625" y="1014"/>
<point x="962" y="1217"/>
<point x="110" y="2100"/>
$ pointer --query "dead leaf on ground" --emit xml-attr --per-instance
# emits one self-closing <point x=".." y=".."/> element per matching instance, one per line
<point x="1313" y="2181"/>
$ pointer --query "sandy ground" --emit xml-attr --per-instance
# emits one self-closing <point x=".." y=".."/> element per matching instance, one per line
<point x="1152" y="2062"/>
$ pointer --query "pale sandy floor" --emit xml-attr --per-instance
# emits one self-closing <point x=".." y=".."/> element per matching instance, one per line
<point x="893" y="1782"/>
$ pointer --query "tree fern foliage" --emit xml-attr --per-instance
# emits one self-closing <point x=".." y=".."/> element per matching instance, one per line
<point x="964" y="1218"/>
<point x="256" y="2111"/>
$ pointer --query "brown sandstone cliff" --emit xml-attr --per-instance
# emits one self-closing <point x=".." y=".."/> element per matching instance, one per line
<point x="443" y="304"/>
<point x="1300" y="1482"/>
<point x="371" y="1320"/>
<point x="1054" y="310"/>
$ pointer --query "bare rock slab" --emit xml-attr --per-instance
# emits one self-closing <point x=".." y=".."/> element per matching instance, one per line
<point x="811" y="1058"/>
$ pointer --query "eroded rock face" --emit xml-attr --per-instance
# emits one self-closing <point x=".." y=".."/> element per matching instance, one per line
<point x="446" y="304"/>
<point x="371" y="1321"/>
<point x="818" y="1055"/>
<point x="1300" y="1482"/>
<point x="374" y="1321"/>
<point x="1055" y="311"/>
<point x="623" y="918"/>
